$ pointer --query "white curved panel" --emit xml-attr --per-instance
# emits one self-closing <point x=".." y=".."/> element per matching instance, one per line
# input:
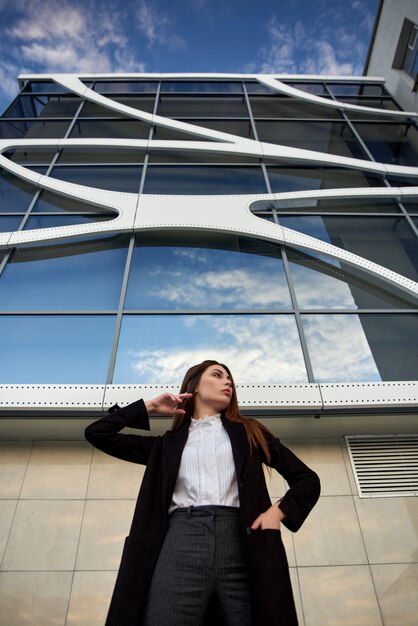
<point x="192" y="212"/>
<point x="265" y="149"/>
<point x="158" y="211"/>
<point x="75" y="85"/>
<point x="215" y="75"/>
<point x="299" y="94"/>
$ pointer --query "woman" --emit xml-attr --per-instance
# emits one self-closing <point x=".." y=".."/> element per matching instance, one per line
<point x="205" y="542"/>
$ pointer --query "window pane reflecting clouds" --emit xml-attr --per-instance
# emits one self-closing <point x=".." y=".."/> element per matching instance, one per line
<point x="388" y="241"/>
<point x="85" y="276"/>
<point x="322" y="282"/>
<point x="367" y="347"/>
<point x="257" y="348"/>
<point x="223" y="272"/>
<point x="55" y="349"/>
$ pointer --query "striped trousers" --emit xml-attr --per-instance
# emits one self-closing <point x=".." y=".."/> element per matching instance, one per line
<point x="202" y="554"/>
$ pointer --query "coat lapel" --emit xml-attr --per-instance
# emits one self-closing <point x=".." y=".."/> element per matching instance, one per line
<point x="174" y="442"/>
<point x="239" y="443"/>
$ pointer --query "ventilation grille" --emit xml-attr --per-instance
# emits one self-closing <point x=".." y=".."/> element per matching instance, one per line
<point x="384" y="465"/>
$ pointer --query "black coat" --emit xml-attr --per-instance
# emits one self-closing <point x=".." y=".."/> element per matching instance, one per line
<point x="272" y="601"/>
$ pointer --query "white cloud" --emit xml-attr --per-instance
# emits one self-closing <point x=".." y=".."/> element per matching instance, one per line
<point x="256" y="348"/>
<point x="46" y="36"/>
<point x="339" y="349"/>
<point x="155" y="26"/>
<point x="46" y="21"/>
<point x="232" y="288"/>
<point x="315" y="48"/>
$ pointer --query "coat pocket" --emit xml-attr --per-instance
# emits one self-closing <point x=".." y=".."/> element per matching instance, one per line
<point x="272" y="593"/>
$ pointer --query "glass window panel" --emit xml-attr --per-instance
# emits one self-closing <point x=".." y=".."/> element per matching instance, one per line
<point x="322" y="282"/>
<point x="391" y="143"/>
<point x="362" y="348"/>
<point x="88" y="154"/>
<point x="348" y="205"/>
<point x="15" y="193"/>
<point x="315" y="88"/>
<point x="401" y="181"/>
<point x="329" y="137"/>
<point x="116" y="178"/>
<point x="289" y="107"/>
<point x="257" y="348"/>
<point x="145" y="103"/>
<point x="31" y="154"/>
<point x="52" y="221"/>
<point x="183" y="156"/>
<point x="173" y="106"/>
<point x="29" y="129"/>
<point x="388" y="241"/>
<point x="52" y="202"/>
<point x="411" y="205"/>
<point x="126" y="86"/>
<point x="177" y="179"/>
<point x="234" y="127"/>
<point x="48" y="349"/>
<point x="201" y="87"/>
<point x="43" y="106"/>
<point x="256" y="87"/>
<point x="9" y="223"/>
<point x="375" y="103"/>
<point x="111" y="129"/>
<point x="360" y="89"/>
<point x="43" y="86"/>
<point x="299" y="178"/>
<point x="65" y="277"/>
<point x="91" y="109"/>
<point x="223" y="272"/>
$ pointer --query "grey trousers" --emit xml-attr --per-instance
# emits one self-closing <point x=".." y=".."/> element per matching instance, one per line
<point x="202" y="554"/>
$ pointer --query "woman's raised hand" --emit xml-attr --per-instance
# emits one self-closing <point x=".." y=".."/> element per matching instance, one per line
<point x="167" y="403"/>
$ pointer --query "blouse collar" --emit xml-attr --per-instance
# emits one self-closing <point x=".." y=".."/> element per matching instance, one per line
<point x="206" y="418"/>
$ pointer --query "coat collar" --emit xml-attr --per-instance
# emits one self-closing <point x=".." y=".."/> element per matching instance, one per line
<point x="174" y="442"/>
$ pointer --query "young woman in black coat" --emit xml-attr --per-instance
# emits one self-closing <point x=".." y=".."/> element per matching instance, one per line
<point x="205" y="543"/>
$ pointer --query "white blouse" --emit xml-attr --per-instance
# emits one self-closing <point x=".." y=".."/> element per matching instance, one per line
<point x="207" y="470"/>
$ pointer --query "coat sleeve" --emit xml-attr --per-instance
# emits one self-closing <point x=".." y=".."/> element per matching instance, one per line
<point x="304" y="484"/>
<point x="104" y="433"/>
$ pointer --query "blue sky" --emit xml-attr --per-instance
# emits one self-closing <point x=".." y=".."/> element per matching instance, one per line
<point x="293" y="36"/>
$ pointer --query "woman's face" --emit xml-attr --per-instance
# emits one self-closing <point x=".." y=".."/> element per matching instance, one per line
<point x="215" y="387"/>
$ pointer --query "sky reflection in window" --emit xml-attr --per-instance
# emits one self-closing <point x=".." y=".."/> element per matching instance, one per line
<point x="257" y="348"/>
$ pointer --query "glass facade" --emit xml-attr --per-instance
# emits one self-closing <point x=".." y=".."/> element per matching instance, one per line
<point x="142" y="307"/>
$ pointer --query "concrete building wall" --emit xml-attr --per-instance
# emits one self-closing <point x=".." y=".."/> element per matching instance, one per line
<point x="384" y="47"/>
<point x="66" y="508"/>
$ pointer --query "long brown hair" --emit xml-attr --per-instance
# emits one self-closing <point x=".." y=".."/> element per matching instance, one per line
<point x="254" y="429"/>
